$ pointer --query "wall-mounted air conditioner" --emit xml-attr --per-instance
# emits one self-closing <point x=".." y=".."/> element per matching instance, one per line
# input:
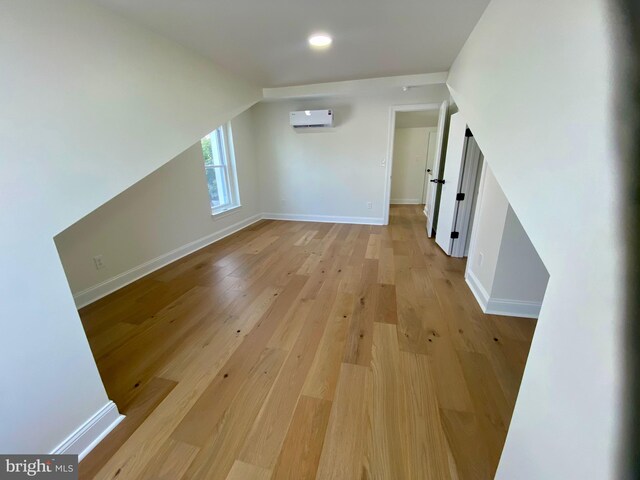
<point x="311" y="118"/>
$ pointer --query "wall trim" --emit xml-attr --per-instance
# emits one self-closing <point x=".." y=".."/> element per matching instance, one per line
<point x="91" y="432"/>
<point x="406" y="201"/>
<point x="513" y="308"/>
<point x="478" y="290"/>
<point x="102" y="289"/>
<point x="299" y="217"/>
<point x="500" y="306"/>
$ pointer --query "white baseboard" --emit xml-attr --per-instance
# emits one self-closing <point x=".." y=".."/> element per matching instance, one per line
<point x="85" y="438"/>
<point x="91" y="294"/>
<point x="297" y="217"/>
<point x="513" y="308"/>
<point x="482" y="296"/>
<point x="406" y="201"/>
<point x="500" y="306"/>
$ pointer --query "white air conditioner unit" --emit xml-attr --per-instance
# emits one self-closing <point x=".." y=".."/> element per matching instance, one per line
<point x="311" y="118"/>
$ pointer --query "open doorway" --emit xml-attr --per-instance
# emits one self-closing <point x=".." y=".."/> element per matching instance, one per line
<point x="414" y="149"/>
<point x="416" y="140"/>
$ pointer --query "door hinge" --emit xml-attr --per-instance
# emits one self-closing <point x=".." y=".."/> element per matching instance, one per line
<point x="468" y="133"/>
<point x="460" y="197"/>
<point x="455" y="234"/>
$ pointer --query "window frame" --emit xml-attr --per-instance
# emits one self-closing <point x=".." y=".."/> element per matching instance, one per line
<point x="228" y="168"/>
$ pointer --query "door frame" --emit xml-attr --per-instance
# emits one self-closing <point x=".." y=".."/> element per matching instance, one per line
<point x="388" y="161"/>
<point x="470" y="175"/>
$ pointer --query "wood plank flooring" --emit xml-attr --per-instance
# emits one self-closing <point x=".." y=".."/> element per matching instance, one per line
<point x="298" y="351"/>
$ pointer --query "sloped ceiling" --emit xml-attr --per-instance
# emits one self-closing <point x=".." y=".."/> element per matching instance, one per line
<point x="265" y="41"/>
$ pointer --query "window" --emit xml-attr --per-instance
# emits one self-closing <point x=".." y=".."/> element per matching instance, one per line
<point x="220" y="168"/>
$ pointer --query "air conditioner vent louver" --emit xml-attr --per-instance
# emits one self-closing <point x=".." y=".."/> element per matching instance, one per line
<point x="311" y="119"/>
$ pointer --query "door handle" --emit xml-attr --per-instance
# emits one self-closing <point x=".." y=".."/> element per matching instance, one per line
<point x="435" y="180"/>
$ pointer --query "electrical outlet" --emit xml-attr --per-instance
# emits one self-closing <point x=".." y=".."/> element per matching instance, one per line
<point x="480" y="259"/>
<point x="98" y="262"/>
<point x="369" y="205"/>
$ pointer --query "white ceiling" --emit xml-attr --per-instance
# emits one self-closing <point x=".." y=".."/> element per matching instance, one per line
<point x="265" y="41"/>
<point x="422" y="118"/>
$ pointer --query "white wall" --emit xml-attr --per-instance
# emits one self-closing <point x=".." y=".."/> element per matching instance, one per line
<point x="161" y="213"/>
<point x="91" y="103"/>
<point x="410" y="158"/>
<point x="486" y="235"/>
<point x="330" y="173"/>
<point x="520" y="274"/>
<point x="503" y="270"/>
<point x="543" y="70"/>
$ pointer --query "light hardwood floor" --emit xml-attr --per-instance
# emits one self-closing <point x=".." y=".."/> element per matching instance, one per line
<point x="306" y="350"/>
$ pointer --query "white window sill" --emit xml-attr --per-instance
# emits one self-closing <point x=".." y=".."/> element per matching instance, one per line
<point x="225" y="211"/>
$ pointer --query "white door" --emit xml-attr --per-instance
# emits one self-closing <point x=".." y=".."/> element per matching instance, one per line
<point x="450" y="188"/>
<point x="431" y="154"/>
<point x="430" y="205"/>
<point x="465" y="204"/>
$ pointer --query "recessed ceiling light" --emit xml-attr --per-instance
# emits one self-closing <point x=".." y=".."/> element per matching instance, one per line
<point x="320" y="40"/>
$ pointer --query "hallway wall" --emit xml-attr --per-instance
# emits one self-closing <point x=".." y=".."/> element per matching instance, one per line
<point x="486" y="235"/>
<point x="533" y="70"/>
<point x="504" y="271"/>
<point x="520" y="273"/>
